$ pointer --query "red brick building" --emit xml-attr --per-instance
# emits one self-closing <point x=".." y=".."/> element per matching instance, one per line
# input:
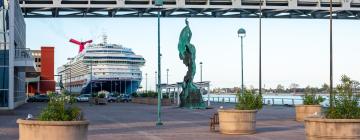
<point x="43" y="80"/>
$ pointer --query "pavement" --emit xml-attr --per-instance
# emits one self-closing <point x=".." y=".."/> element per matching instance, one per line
<point x="128" y="121"/>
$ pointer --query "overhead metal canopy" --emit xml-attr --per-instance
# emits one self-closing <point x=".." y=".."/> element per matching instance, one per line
<point x="315" y="9"/>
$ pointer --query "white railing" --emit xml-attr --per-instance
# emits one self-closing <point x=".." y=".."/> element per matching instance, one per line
<point x="23" y="53"/>
<point x="268" y="101"/>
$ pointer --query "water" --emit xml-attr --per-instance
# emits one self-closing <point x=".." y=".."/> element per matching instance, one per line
<point x="280" y="99"/>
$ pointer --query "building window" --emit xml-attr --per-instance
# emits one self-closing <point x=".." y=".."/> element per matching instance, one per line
<point x="4" y="98"/>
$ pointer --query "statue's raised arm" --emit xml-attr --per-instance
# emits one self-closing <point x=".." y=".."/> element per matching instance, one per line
<point x="184" y="39"/>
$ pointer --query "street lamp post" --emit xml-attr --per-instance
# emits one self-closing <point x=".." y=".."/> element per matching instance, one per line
<point x="71" y="59"/>
<point x="91" y="74"/>
<point x="146" y="80"/>
<point x="242" y="34"/>
<point x="167" y="82"/>
<point x="260" y="74"/>
<point x="331" y="58"/>
<point x="201" y="71"/>
<point x="159" y="3"/>
<point x="60" y="83"/>
<point x="167" y="76"/>
<point x="68" y="77"/>
<point x="156" y="82"/>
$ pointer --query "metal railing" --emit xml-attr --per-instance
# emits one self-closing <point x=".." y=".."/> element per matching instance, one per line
<point x="267" y="101"/>
<point x="23" y="53"/>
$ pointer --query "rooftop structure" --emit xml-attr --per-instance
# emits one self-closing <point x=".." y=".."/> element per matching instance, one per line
<point x="318" y="9"/>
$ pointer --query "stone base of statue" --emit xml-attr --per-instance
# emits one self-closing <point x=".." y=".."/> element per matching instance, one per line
<point x="191" y="98"/>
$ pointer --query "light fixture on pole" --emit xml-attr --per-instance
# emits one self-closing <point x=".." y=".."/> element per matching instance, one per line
<point x="242" y="33"/>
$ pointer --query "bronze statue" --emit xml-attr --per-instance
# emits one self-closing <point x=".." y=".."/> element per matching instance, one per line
<point x="190" y="96"/>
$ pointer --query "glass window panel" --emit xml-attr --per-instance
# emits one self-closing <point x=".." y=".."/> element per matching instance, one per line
<point x="4" y="80"/>
<point x="4" y="98"/>
<point x="4" y="57"/>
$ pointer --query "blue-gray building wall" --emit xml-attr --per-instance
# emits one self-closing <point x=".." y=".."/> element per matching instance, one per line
<point x="12" y="38"/>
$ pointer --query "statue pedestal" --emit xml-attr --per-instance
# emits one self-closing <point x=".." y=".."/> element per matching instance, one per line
<point x="192" y="100"/>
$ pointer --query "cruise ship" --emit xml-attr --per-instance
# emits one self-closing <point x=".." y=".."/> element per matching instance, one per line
<point x="103" y="66"/>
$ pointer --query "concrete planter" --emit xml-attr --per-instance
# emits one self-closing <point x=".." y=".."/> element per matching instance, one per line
<point x="232" y="121"/>
<point x="52" y="130"/>
<point x="151" y="101"/>
<point x="303" y="111"/>
<point x="92" y="100"/>
<point x="101" y="101"/>
<point x="332" y="129"/>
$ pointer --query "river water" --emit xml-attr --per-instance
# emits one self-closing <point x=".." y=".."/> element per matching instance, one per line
<point x="276" y="99"/>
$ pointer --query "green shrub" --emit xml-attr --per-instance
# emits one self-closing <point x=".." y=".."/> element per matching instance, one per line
<point x="346" y="105"/>
<point x="65" y="92"/>
<point x="134" y="94"/>
<point x="101" y="95"/>
<point x="152" y="94"/>
<point x="143" y="95"/>
<point x="60" y="108"/>
<point x="249" y="101"/>
<point x="310" y="97"/>
<point x="94" y="95"/>
<point x="166" y="96"/>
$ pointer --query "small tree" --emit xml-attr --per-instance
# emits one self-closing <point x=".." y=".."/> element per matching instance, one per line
<point x="294" y="86"/>
<point x="325" y="88"/>
<point x="345" y="105"/>
<point x="280" y="88"/>
<point x="61" y="108"/>
<point x="249" y="101"/>
<point x="310" y="97"/>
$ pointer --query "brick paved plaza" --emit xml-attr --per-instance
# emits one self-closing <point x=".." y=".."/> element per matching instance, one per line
<point x="127" y="121"/>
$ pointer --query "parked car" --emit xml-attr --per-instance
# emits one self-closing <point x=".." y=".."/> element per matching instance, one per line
<point x="83" y="98"/>
<point x="112" y="98"/>
<point x="124" y="98"/>
<point x="38" y="98"/>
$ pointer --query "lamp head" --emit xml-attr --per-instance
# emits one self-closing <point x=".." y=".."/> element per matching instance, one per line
<point x="241" y="32"/>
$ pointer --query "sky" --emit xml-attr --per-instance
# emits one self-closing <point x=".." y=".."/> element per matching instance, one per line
<point x="293" y="50"/>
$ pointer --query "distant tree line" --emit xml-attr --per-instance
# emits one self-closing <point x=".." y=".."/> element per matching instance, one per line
<point x="292" y="88"/>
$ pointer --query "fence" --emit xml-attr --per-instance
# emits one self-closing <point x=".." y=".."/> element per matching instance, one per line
<point x="269" y="101"/>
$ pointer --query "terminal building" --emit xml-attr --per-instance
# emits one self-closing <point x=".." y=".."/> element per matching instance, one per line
<point x="41" y="81"/>
<point x="15" y="58"/>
